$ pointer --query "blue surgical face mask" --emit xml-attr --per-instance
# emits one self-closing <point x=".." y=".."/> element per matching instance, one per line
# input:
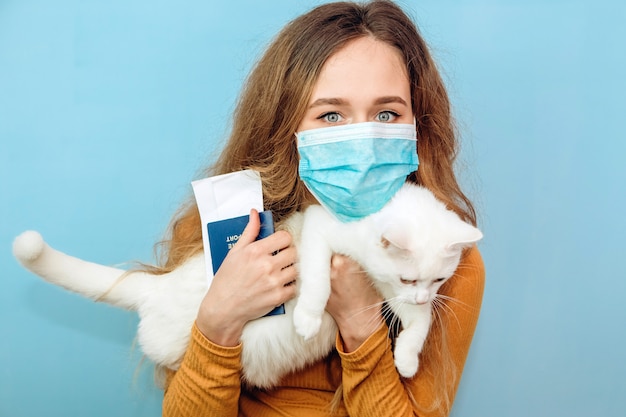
<point x="354" y="169"/>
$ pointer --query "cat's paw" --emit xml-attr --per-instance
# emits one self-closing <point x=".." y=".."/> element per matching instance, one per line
<point x="306" y="323"/>
<point x="408" y="367"/>
<point x="407" y="361"/>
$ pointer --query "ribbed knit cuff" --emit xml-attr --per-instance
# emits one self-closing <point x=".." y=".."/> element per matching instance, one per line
<point x="206" y="352"/>
<point x="369" y="352"/>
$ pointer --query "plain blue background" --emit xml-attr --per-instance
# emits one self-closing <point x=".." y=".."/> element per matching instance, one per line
<point x="108" y="109"/>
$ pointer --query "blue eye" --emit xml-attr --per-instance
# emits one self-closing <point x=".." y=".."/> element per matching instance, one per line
<point x="386" y="116"/>
<point x="331" y="117"/>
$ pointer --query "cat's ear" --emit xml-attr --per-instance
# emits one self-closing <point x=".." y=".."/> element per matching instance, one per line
<point x="466" y="236"/>
<point x="396" y="240"/>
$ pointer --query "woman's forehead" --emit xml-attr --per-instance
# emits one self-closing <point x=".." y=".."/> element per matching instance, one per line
<point x="364" y="66"/>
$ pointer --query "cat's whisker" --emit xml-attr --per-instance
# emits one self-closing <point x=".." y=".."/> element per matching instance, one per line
<point x="395" y="303"/>
<point x="387" y="312"/>
<point x="441" y="310"/>
<point x="441" y="307"/>
<point x="388" y="316"/>
<point x="393" y="320"/>
<point x="436" y="317"/>
<point x="367" y="308"/>
<point x="374" y="320"/>
<point x="464" y="306"/>
<point x="452" y="299"/>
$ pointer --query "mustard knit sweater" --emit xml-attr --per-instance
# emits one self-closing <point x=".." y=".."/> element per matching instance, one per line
<point x="208" y="381"/>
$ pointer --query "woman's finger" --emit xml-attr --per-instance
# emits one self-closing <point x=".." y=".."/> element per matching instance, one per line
<point x="251" y="230"/>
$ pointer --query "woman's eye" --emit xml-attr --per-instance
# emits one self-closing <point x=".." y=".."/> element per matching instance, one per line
<point x="386" y="116"/>
<point x="331" y="117"/>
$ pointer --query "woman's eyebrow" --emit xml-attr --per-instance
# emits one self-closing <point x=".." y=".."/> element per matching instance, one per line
<point x="328" y="101"/>
<point x="390" y="99"/>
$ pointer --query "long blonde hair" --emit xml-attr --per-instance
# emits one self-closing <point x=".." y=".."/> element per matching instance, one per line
<point x="275" y="97"/>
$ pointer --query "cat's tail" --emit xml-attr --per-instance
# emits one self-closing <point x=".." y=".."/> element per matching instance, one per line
<point x="98" y="282"/>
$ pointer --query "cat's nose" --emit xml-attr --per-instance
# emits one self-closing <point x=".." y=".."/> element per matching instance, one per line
<point x="422" y="297"/>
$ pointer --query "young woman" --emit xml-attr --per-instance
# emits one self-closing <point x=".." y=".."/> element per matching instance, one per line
<point x="339" y="64"/>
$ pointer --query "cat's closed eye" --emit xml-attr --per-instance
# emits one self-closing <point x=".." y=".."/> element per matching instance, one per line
<point x="408" y="281"/>
<point x="439" y="280"/>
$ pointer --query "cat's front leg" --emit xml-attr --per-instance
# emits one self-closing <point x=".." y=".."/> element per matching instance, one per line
<point x="416" y="320"/>
<point x="313" y="294"/>
<point x="314" y="273"/>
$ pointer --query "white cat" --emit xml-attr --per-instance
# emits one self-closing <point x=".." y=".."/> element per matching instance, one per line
<point x="409" y="248"/>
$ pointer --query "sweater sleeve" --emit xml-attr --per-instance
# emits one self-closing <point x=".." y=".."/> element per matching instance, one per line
<point x="371" y="383"/>
<point x="207" y="382"/>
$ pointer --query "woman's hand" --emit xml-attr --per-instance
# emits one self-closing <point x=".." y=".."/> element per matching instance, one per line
<point x="250" y="282"/>
<point x="354" y="303"/>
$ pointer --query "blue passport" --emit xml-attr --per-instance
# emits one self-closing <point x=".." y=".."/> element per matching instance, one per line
<point x="223" y="234"/>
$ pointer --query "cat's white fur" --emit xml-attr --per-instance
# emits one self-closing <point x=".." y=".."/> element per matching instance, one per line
<point x="405" y="247"/>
